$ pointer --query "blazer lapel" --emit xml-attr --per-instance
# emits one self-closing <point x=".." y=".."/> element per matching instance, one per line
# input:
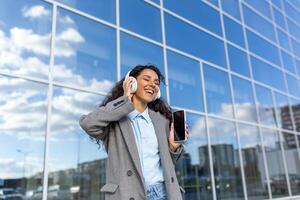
<point x="128" y="136"/>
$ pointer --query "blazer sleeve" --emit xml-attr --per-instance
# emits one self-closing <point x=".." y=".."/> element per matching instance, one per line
<point x="97" y="122"/>
<point x="175" y="155"/>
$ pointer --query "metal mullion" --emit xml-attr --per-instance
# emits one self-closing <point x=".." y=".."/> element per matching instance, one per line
<point x="255" y="100"/>
<point x="165" y="58"/>
<point x="49" y="102"/>
<point x="118" y="40"/>
<point x="212" y="176"/>
<point x="233" y="105"/>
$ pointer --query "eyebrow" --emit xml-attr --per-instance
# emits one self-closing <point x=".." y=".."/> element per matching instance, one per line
<point x="150" y="77"/>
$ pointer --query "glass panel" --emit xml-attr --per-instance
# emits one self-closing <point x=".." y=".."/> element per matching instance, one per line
<point x="263" y="48"/>
<point x="218" y="97"/>
<point x="283" y="112"/>
<point x="278" y="182"/>
<point x="232" y="8"/>
<point x="141" y="17"/>
<point x="85" y="53"/>
<point x="135" y="51"/>
<point x="76" y="166"/>
<point x="261" y="6"/>
<point x="25" y="37"/>
<point x="266" y="109"/>
<point x="291" y="11"/>
<point x="215" y="2"/>
<point x="292" y="85"/>
<point x="283" y="40"/>
<point x="234" y="31"/>
<point x="238" y="61"/>
<point x="288" y="62"/>
<point x="267" y="74"/>
<point x="258" y="23"/>
<point x="254" y="167"/>
<point x="211" y="48"/>
<point x="193" y="169"/>
<point x="198" y="12"/>
<point x="298" y="66"/>
<point x="184" y="81"/>
<point x="296" y="47"/>
<point x="243" y="100"/>
<point x="295" y="104"/>
<point x="225" y="159"/>
<point x="294" y="29"/>
<point x="277" y="3"/>
<point x="23" y="108"/>
<point x="279" y="18"/>
<point x="101" y="9"/>
<point x="292" y="160"/>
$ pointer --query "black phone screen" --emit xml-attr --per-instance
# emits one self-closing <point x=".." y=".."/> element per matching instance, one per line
<point x="179" y="125"/>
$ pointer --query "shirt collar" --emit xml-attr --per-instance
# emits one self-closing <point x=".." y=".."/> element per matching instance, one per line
<point x="145" y="115"/>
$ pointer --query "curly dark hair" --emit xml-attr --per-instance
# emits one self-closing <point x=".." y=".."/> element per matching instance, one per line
<point x="159" y="105"/>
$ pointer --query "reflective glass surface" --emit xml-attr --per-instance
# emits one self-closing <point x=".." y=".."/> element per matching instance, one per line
<point x="198" y="12"/>
<point x="295" y="105"/>
<point x="193" y="170"/>
<point x="293" y="86"/>
<point x="287" y="60"/>
<point x="262" y="48"/>
<point x="273" y="151"/>
<point x="296" y="47"/>
<point x="266" y="106"/>
<point x="135" y="51"/>
<point x="243" y="100"/>
<point x="258" y="23"/>
<point x="218" y="97"/>
<point x="238" y="61"/>
<point x="185" y="82"/>
<point x="134" y="14"/>
<point x="267" y="74"/>
<point x="253" y="163"/>
<point x="262" y="6"/>
<point x="277" y="3"/>
<point x="25" y="37"/>
<point x="232" y="8"/>
<point x="279" y="18"/>
<point x="101" y="9"/>
<point x="23" y="111"/>
<point x="234" y="31"/>
<point x="294" y="29"/>
<point x="85" y="53"/>
<point x="283" y="39"/>
<point x="283" y="112"/>
<point x="225" y="158"/>
<point x="76" y="165"/>
<point x="291" y="11"/>
<point x="194" y="41"/>
<point x="292" y="160"/>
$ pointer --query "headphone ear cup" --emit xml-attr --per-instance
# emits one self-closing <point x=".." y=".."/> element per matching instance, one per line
<point x="133" y="86"/>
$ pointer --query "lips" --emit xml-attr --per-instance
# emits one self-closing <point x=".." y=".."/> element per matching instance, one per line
<point x="149" y="91"/>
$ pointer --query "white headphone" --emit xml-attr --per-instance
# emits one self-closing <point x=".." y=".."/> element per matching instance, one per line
<point x="133" y="86"/>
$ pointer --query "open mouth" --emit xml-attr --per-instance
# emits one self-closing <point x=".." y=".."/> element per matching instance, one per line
<point x="149" y="91"/>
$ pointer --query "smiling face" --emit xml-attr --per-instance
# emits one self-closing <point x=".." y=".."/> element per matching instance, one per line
<point x="148" y="86"/>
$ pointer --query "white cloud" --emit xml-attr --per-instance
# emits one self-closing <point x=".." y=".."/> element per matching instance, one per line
<point x="36" y="11"/>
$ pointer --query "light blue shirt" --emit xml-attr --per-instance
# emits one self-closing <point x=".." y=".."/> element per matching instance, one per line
<point x="147" y="146"/>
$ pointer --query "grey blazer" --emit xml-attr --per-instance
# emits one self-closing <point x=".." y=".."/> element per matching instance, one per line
<point x="124" y="178"/>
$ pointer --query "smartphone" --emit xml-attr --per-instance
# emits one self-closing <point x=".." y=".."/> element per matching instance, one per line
<point x="179" y="126"/>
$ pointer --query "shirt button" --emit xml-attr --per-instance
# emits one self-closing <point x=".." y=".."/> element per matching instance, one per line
<point x="172" y="179"/>
<point x="131" y="198"/>
<point x="129" y="173"/>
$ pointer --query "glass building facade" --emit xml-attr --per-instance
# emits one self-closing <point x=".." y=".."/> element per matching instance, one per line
<point x="233" y="65"/>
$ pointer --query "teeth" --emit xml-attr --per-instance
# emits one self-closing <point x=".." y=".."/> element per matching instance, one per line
<point x="150" y="91"/>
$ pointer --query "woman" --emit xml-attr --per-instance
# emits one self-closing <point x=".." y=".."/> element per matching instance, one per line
<point x="135" y="127"/>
